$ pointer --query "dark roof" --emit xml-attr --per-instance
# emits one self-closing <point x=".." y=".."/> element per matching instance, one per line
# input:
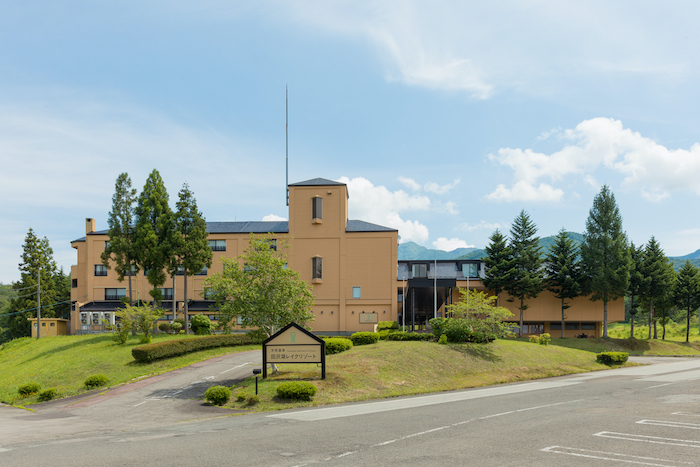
<point x="317" y="182"/>
<point x="248" y="227"/>
<point x="362" y="226"/>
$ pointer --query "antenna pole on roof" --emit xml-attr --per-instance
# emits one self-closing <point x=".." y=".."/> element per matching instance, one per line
<point x="286" y="135"/>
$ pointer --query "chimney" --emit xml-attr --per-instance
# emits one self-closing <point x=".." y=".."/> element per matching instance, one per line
<point x="90" y="225"/>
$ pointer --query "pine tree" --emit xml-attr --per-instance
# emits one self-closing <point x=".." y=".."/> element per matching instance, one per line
<point x="637" y="284"/>
<point x="37" y="258"/>
<point x="658" y="272"/>
<point x="192" y="250"/>
<point x="497" y="263"/>
<point x="121" y="250"/>
<point x="153" y="234"/>
<point x="562" y="270"/>
<point x="686" y="292"/>
<point x="524" y="279"/>
<point x="604" y="253"/>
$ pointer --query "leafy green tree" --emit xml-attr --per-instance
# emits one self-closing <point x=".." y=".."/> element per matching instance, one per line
<point x="497" y="263"/>
<point x="121" y="248"/>
<point x="525" y="278"/>
<point x="6" y="294"/>
<point x="153" y="234"/>
<point x="259" y="289"/>
<point x="604" y="253"/>
<point x="191" y="246"/>
<point x="686" y="292"/>
<point x="658" y="273"/>
<point x="637" y="283"/>
<point x="37" y="255"/>
<point x="140" y="318"/>
<point x="201" y="324"/>
<point x="484" y="319"/>
<point x="562" y="272"/>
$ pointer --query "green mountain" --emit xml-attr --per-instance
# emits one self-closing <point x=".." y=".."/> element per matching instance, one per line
<point x="410" y="251"/>
<point x="545" y="243"/>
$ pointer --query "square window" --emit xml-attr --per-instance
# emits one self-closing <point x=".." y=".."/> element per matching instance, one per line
<point x="100" y="270"/>
<point x="167" y="293"/>
<point x="356" y="292"/>
<point x="74" y="283"/>
<point x="317" y="208"/>
<point x="317" y="267"/>
<point x="470" y="269"/>
<point x="419" y="270"/>
<point x="217" y="245"/>
<point x="201" y="272"/>
<point x="115" y="294"/>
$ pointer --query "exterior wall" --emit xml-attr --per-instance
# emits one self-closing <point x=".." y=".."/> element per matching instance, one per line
<point x="350" y="259"/>
<point x="50" y="327"/>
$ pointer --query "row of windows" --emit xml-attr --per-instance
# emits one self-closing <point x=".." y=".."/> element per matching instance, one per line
<point x="468" y="270"/>
<point x="215" y="245"/>
<point x="572" y="326"/>
<point x="101" y="270"/>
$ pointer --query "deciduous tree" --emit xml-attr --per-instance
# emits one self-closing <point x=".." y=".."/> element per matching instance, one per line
<point x="604" y="253"/>
<point x="563" y="272"/>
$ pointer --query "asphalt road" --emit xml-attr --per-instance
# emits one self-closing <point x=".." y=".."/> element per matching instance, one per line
<point x="646" y="415"/>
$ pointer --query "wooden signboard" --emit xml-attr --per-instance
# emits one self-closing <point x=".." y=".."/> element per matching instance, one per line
<point x="372" y="318"/>
<point x="294" y="344"/>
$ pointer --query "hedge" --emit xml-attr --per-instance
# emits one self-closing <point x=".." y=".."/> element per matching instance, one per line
<point x="300" y="390"/>
<point x="337" y="344"/>
<point x="173" y="348"/>
<point x="612" y="358"/>
<point x="364" y="338"/>
<point x="217" y="395"/>
<point x="410" y="336"/>
<point x="384" y="325"/>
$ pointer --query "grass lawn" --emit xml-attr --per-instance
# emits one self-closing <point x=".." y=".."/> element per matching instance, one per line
<point x="631" y="346"/>
<point x="64" y="362"/>
<point x="674" y="332"/>
<point x="389" y="369"/>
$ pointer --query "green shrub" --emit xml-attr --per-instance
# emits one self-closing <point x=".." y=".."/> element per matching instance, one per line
<point x="201" y="324"/>
<point x="252" y="400"/>
<point x="28" y="389"/>
<point x="438" y="326"/>
<point x="410" y="336"/>
<point x="176" y="327"/>
<point x="442" y="340"/>
<point x="384" y="334"/>
<point x="165" y="327"/>
<point x="364" y="338"/>
<point x="95" y="381"/>
<point x="218" y="395"/>
<point x="241" y="396"/>
<point x="462" y="330"/>
<point x="337" y="344"/>
<point x="544" y="339"/>
<point x="534" y="339"/>
<point x="174" y="347"/>
<point x="612" y="358"/>
<point x="299" y="390"/>
<point x="387" y="325"/>
<point x="47" y="394"/>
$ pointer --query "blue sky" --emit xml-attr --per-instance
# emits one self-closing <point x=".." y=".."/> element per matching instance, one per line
<point x="444" y="118"/>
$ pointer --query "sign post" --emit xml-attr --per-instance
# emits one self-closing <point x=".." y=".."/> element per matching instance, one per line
<point x="294" y="344"/>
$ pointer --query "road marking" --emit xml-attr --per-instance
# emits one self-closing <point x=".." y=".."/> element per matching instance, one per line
<point x="233" y="368"/>
<point x="691" y="426"/>
<point x="209" y="378"/>
<point x="5" y="449"/>
<point x="140" y="403"/>
<point x="659" y="385"/>
<point x="688" y="414"/>
<point x="629" y="459"/>
<point x="649" y="439"/>
<point x="673" y="377"/>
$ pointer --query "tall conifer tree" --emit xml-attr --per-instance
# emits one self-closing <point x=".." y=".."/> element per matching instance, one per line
<point x="121" y="249"/>
<point x="562" y="269"/>
<point x="153" y="235"/>
<point x="524" y="279"/>
<point x="604" y="253"/>
<point x="192" y="250"/>
<point x="637" y="284"/>
<point x="686" y="292"/>
<point x="658" y="272"/>
<point x="497" y="263"/>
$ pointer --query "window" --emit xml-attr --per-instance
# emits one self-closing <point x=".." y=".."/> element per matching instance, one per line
<point x="131" y="271"/>
<point x="239" y="320"/>
<point x="53" y="324"/>
<point x="317" y="208"/>
<point x="167" y="293"/>
<point x="217" y="245"/>
<point x="356" y="292"/>
<point x="115" y="294"/>
<point x="317" y="267"/>
<point x="555" y="326"/>
<point x="106" y="244"/>
<point x="212" y="317"/>
<point x="571" y="326"/>
<point x="400" y="297"/>
<point x="273" y="244"/>
<point x="201" y="272"/>
<point x="587" y="326"/>
<point x="470" y="269"/>
<point x="419" y="270"/>
<point x="180" y="271"/>
<point x="100" y="270"/>
<point x="74" y="283"/>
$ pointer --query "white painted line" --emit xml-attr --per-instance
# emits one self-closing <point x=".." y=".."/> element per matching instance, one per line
<point x="691" y="426"/>
<point x="674" y="377"/>
<point x="626" y="458"/>
<point x="5" y="450"/>
<point x="688" y="414"/>
<point x="207" y="378"/>
<point x="140" y="403"/>
<point x="346" y="454"/>
<point x="649" y="439"/>
<point x="178" y="392"/>
<point x="233" y="368"/>
<point x="419" y="401"/>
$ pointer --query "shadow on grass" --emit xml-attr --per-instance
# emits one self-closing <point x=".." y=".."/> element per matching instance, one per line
<point x="597" y="345"/>
<point x="98" y="338"/>
<point x="480" y="351"/>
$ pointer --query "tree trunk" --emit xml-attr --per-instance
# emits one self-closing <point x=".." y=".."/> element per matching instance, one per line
<point x="632" y="319"/>
<point x="651" y="315"/>
<point x="562" y="318"/>
<point x="184" y="296"/>
<point x="687" y="326"/>
<point x="663" y="325"/>
<point x="605" y="316"/>
<point x="521" y="317"/>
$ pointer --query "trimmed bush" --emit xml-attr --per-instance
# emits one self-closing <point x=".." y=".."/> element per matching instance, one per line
<point x="612" y="358"/>
<point x="47" y="394"/>
<point x="364" y="338"/>
<point x="299" y="390"/>
<point x="387" y="325"/>
<point x="28" y="389"/>
<point x="252" y="400"/>
<point x="442" y="340"/>
<point x="165" y="327"/>
<point x="241" y="396"/>
<point x="410" y="336"/>
<point x="95" y="381"/>
<point x="337" y="344"/>
<point x="217" y="395"/>
<point x="201" y="324"/>
<point x="173" y="348"/>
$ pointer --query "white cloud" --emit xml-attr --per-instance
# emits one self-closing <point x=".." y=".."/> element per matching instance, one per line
<point x="449" y="244"/>
<point x="482" y="225"/>
<point x="378" y="205"/>
<point x="273" y="217"/>
<point x="440" y="189"/>
<point x="410" y="183"/>
<point x="449" y="207"/>
<point x="653" y="169"/>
